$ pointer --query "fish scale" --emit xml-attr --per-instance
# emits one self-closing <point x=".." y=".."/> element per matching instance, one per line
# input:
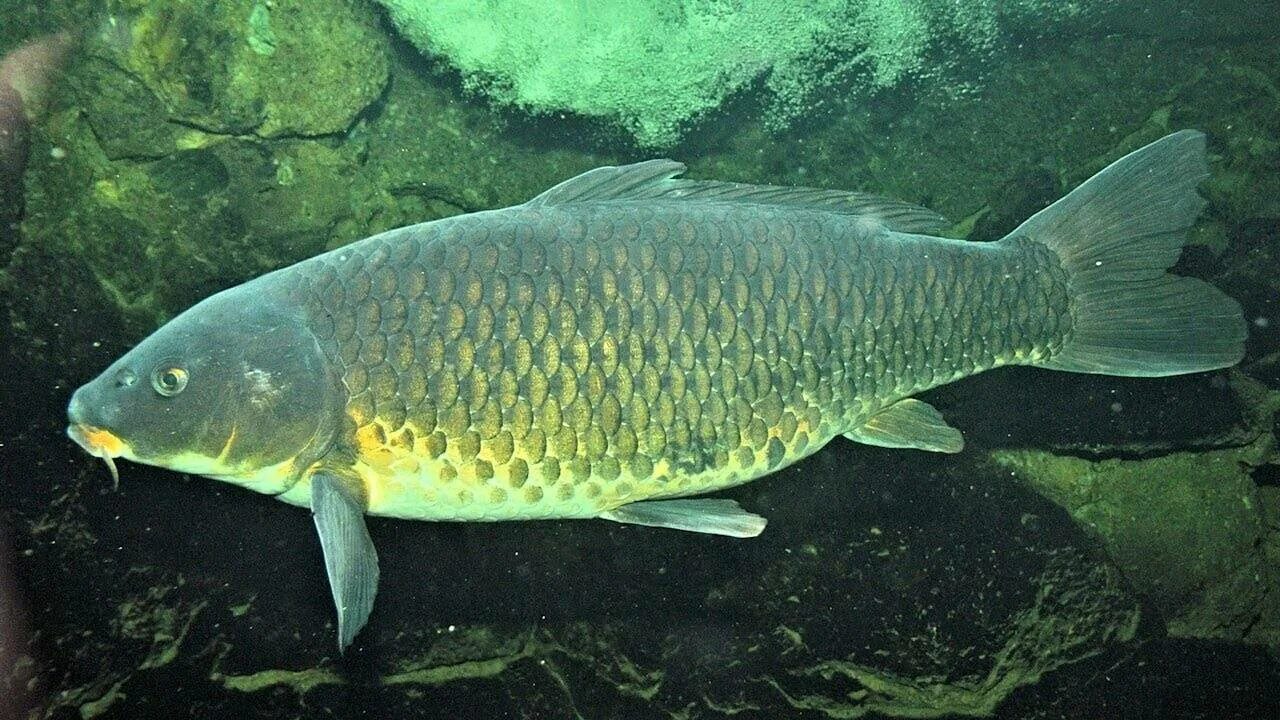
<point x="551" y="362"/>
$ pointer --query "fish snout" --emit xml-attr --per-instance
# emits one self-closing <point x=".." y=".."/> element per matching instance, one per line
<point x="77" y="409"/>
<point x="88" y="428"/>
<point x="89" y="408"/>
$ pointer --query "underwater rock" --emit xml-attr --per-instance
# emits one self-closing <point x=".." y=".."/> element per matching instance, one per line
<point x="127" y="119"/>
<point x="162" y="214"/>
<point x="1030" y="190"/>
<point x="159" y="233"/>
<point x="156" y="234"/>
<point x="284" y="68"/>
<point x="1192" y="531"/>
<point x="463" y="159"/>
<point x="1249" y="265"/>
<point x="656" y="67"/>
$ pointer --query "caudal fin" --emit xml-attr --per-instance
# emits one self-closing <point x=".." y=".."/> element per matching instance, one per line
<point x="1116" y="235"/>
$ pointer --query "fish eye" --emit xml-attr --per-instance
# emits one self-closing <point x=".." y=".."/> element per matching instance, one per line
<point x="169" y="381"/>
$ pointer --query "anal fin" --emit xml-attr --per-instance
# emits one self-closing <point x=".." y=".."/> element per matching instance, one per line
<point x="912" y="424"/>
<point x="350" y="559"/>
<point x="714" y="516"/>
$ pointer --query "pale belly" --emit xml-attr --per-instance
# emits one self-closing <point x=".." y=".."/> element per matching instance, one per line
<point x="416" y="490"/>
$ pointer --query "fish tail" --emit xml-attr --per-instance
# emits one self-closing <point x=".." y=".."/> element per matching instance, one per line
<point x="1115" y="236"/>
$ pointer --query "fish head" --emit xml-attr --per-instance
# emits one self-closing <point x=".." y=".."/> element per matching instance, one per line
<point x="234" y="388"/>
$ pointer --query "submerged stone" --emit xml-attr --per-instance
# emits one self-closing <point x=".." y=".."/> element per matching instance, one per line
<point x="284" y="68"/>
<point x="1188" y="529"/>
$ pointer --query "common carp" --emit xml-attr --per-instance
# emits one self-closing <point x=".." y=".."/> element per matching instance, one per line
<point x="628" y="339"/>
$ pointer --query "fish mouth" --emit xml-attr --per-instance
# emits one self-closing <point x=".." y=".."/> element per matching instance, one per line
<point x="99" y="443"/>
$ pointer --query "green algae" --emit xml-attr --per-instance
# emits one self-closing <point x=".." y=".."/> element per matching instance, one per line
<point x="300" y="681"/>
<point x="655" y="68"/>
<point x="1178" y="526"/>
<point x="153" y="618"/>
<point x="154" y="621"/>
<point x="467" y="654"/>
<point x="265" y="50"/>
<point x="100" y="705"/>
<point x="262" y="39"/>
<point x="1063" y="625"/>
<point x="467" y="670"/>
<point x="1187" y="528"/>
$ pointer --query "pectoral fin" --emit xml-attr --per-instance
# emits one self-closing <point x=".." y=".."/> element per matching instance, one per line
<point x="349" y="556"/>
<point x="909" y="424"/>
<point x="715" y="516"/>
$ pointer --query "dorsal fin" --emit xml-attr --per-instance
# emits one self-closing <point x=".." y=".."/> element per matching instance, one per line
<point x="655" y="179"/>
<point x="612" y="182"/>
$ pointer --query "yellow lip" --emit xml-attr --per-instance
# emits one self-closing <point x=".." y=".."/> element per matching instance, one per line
<point x="97" y="441"/>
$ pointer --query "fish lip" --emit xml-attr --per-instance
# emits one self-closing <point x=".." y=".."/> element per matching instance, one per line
<point x="100" y="443"/>
<point x="78" y="433"/>
<point x="90" y="438"/>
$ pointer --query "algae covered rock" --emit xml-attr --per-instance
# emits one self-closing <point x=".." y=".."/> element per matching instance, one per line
<point x="159" y="234"/>
<point x="437" y="155"/>
<point x="1192" y="531"/>
<point x="169" y="181"/>
<point x="283" y="68"/>
<point x="169" y="176"/>
<point x="655" y="67"/>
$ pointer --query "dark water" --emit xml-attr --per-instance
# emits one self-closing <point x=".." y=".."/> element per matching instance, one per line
<point x="1104" y="547"/>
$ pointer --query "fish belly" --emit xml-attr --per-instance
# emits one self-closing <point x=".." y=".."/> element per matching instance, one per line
<point x="542" y="362"/>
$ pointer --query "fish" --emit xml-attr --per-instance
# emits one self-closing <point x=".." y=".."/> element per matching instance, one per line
<point x="28" y="74"/>
<point x="629" y="341"/>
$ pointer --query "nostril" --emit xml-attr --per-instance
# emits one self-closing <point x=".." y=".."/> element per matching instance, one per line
<point x="125" y="378"/>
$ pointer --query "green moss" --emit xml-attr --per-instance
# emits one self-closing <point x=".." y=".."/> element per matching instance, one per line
<point x="160" y="234"/>
<point x="467" y="670"/>
<point x="436" y="156"/>
<point x="1064" y="624"/>
<point x="1179" y="526"/>
<point x="261" y="37"/>
<point x="467" y="654"/>
<point x="96" y="707"/>
<point x="286" y="68"/>
<point x="300" y="681"/>
<point x="154" y="618"/>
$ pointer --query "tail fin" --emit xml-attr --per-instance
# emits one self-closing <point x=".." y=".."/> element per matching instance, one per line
<point x="1116" y="235"/>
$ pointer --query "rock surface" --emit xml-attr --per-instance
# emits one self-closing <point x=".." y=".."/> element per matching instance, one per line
<point x="286" y="68"/>
<point x="1193" y="532"/>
